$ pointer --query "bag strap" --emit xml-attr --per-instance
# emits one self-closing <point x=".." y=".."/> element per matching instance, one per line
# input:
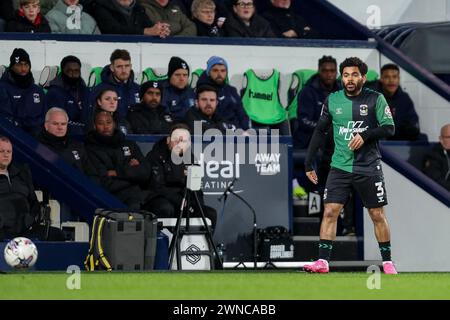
<point x="103" y="259"/>
<point x="89" y="262"/>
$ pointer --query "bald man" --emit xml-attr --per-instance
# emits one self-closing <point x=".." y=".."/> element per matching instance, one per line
<point x="437" y="161"/>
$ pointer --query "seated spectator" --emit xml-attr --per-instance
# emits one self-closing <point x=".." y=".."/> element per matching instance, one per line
<point x="437" y="161"/>
<point x="245" y="22"/>
<point x="204" y="116"/>
<point x="168" y="178"/>
<point x="119" y="76"/>
<point x="230" y="105"/>
<point x="149" y="117"/>
<point x="221" y="9"/>
<point x="20" y="211"/>
<point x="69" y="92"/>
<point x="28" y="18"/>
<point x="6" y="13"/>
<point x="286" y="23"/>
<point x="178" y="97"/>
<point x="118" y="163"/>
<point x="164" y="11"/>
<point x="402" y="107"/>
<point x="54" y="135"/>
<point x="67" y="16"/>
<point x="204" y="17"/>
<point x="311" y="99"/>
<point x="107" y="100"/>
<point x="125" y="17"/>
<point x="22" y="101"/>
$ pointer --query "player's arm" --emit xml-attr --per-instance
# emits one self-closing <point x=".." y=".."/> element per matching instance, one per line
<point x="386" y="126"/>
<point x="317" y="141"/>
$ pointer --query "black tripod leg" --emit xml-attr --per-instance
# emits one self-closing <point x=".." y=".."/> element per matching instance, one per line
<point x="175" y="244"/>
<point x="208" y="234"/>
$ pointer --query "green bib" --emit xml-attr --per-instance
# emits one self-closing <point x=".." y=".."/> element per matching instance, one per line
<point x="260" y="98"/>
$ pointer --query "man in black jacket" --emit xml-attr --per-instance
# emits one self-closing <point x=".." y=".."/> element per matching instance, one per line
<point x="168" y="177"/>
<point x="149" y="117"/>
<point x="118" y="163"/>
<point x="402" y="107"/>
<point x="69" y="92"/>
<point x="20" y="211"/>
<point x="437" y="161"/>
<point x="286" y="23"/>
<point x="245" y="22"/>
<point x="54" y="135"/>
<point x="204" y="116"/>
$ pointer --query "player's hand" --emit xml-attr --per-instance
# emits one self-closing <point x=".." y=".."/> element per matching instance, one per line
<point x="356" y="143"/>
<point x="312" y="176"/>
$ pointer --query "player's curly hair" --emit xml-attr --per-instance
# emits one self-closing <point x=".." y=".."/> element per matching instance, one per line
<point x="354" y="62"/>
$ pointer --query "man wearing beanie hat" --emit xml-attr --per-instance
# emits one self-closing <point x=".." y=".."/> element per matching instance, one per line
<point x="230" y="107"/>
<point x="22" y="101"/>
<point x="68" y="91"/>
<point x="148" y="116"/>
<point x="178" y="97"/>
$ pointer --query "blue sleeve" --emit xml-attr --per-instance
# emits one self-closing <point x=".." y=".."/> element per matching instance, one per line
<point x="243" y="118"/>
<point x="306" y="110"/>
<point x="6" y="107"/>
<point x="55" y="98"/>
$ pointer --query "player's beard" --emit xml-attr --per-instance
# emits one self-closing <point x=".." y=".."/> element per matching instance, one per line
<point x="357" y="88"/>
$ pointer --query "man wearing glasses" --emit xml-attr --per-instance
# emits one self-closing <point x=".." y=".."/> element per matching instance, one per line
<point x="437" y="161"/>
<point x="245" y="22"/>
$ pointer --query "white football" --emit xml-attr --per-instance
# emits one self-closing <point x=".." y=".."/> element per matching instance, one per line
<point x="21" y="253"/>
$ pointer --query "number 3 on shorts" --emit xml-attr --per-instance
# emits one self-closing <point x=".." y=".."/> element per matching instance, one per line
<point x="380" y="189"/>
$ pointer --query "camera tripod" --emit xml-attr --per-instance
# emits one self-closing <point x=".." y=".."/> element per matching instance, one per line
<point x="180" y="232"/>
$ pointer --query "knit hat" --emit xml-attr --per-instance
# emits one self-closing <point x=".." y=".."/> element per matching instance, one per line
<point x="147" y="85"/>
<point x="176" y="63"/>
<point x="68" y="59"/>
<point x="19" y="55"/>
<point x="213" y="61"/>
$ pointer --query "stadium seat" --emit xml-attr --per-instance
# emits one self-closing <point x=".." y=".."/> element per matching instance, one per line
<point x="196" y="74"/>
<point x="298" y="81"/>
<point x="154" y="74"/>
<point x="95" y="77"/>
<point x="372" y="75"/>
<point x="47" y="75"/>
<point x="2" y="70"/>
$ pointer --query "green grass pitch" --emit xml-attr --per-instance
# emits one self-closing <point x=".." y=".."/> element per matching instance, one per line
<point x="224" y="285"/>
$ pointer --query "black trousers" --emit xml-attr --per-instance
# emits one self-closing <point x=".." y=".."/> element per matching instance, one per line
<point x="163" y="208"/>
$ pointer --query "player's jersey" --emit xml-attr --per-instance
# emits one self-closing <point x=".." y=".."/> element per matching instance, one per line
<point x="352" y="115"/>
